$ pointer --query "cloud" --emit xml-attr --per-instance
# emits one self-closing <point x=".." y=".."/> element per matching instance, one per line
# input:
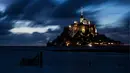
<point x="108" y="14"/>
<point x="2" y="8"/>
<point x="67" y="9"/>
<point x="53" y="15"/>
<point x="27" y="39"/>
<point x="22" y="39"/>
<point x="4" y="27"/>
<point x="119" y="34"/>
<point x="17" y="7"/>
<point x="37" y="6"/>
<point x="58" y="2"/>
<point x="22" y="26"/>
<point x="30" y="30"/>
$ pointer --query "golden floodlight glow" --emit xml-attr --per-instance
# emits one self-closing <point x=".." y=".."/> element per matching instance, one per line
<point x="67" y="43"/>
<point x="75" y="28"/>
<point x="83" y="29"/>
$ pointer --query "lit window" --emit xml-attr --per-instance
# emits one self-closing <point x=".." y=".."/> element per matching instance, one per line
<point x="67" y="43"/>
<point x="112" y="43"/>
<point x="101" y="43"/>
<point x="75" y="25"/>
<point x="78" y="43"/>
<point x="95" y="30"/>
<point x="75" y="22"/>
<point x="89" y="22"/>
<point x="75" y="28"/>
<point x="96" y="43"/>
<point x="91" y="28"/>
<point x="90" y="45"/>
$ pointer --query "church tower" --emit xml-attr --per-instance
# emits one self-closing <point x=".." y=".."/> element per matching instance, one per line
<point x="81" y="15"/>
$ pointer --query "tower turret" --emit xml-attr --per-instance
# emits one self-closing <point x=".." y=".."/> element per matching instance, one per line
<point x="81" y="15"/>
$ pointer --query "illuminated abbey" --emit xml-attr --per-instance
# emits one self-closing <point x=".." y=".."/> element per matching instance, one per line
<point x="84" y="27"/>
<point x="82" y="33"/>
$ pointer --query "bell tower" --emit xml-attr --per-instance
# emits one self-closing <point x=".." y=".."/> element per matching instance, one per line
<point x="81" y="15"/>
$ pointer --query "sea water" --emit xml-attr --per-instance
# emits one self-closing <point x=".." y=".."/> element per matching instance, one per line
<point x="64" y="62"/>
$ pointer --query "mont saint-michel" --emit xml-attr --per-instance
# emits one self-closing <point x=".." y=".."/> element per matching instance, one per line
<point x="82" y="33"/>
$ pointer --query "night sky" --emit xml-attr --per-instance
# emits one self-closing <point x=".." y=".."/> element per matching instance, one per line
<point x="34" y="22"/>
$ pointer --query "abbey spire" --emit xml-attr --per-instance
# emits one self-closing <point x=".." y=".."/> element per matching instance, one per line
<point x="81" y="15"/>
<point x="81" y="11"/>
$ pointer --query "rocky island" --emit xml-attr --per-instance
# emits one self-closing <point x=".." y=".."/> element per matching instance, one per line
<point x="82" y="33"/>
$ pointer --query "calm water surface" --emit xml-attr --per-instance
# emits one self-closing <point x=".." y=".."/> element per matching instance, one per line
<point x="66" y="62"/>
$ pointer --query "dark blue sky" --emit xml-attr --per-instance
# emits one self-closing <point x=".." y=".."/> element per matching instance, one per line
<point x="34" y="22"/>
